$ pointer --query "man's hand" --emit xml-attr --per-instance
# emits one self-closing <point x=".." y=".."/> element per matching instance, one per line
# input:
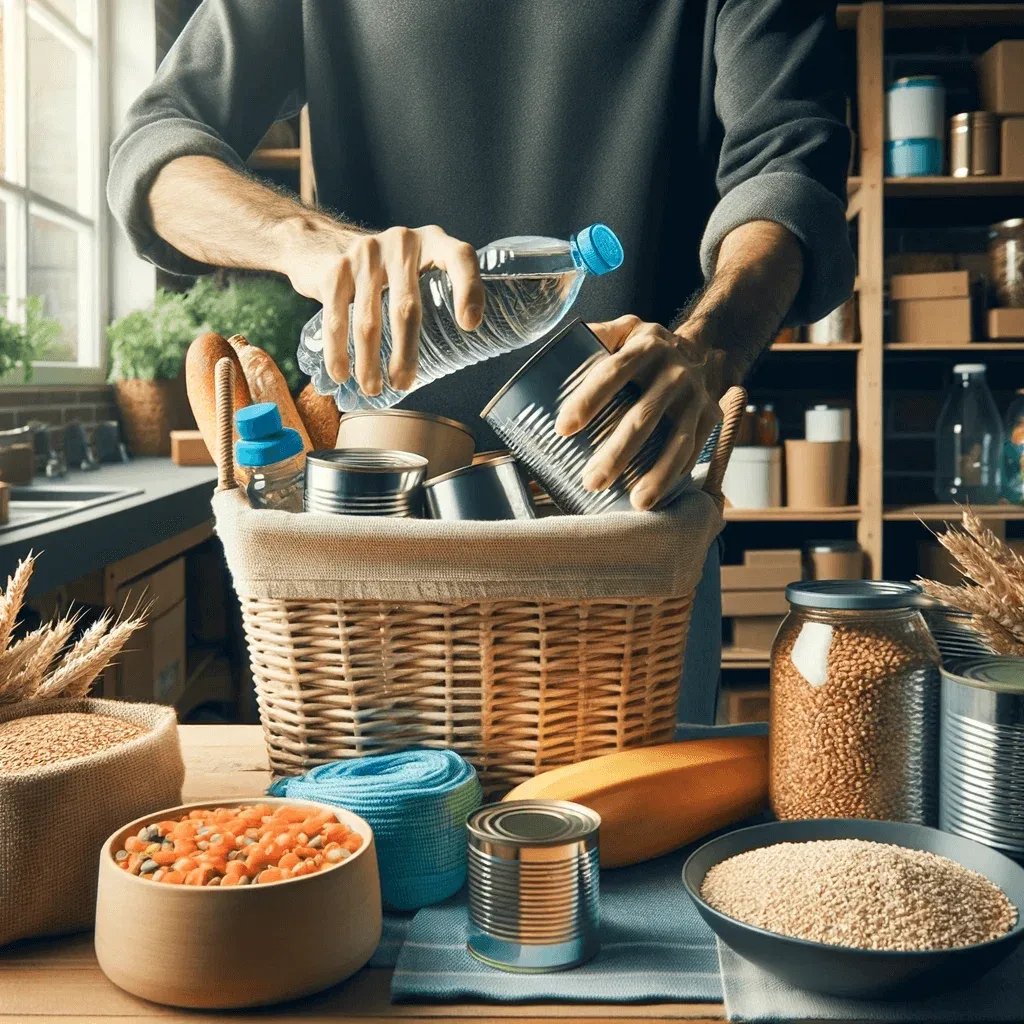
<point x="341" y="269"/>
<point x="673" y="383"/>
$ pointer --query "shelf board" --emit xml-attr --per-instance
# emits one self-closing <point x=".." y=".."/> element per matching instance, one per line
<point x="948" y="15"/>
<point x="972" y="346"/>
<point x="741" y="657"/>
<point x="275" y="159"/>
<point x="840" y="513"/>
<point x="926" y="187"/>
<point x="941" y="513"/>
<point x="806" y="346"/>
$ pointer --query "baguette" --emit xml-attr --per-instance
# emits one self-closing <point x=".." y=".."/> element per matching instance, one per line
<point x="200" y="364"/>
<point x="267" y="384"/>
<point x="321" y="417"/>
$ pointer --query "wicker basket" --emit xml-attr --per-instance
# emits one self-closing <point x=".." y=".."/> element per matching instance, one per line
<point x="523" y="645"/>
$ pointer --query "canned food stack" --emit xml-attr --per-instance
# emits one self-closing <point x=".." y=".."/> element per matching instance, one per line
<point x="981" y="768"/>
<point x="915" y="126"/>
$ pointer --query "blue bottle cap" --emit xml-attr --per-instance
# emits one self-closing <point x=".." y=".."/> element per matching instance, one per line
<point x="599" y="249"/>
<point x="259" y="420"/>
<point x="268" y="450"/>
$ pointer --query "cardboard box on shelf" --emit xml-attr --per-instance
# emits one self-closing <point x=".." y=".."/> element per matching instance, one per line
<point x="153" y="667"/>
<point x="1001" y="77"/>
<point x="754" y="602"/>
<point x="757" y="577"/>
<point x="755" y="632"/>
<point x="1006" y="324"/>
<point x="949" y="284"/>
<point x="1011" y="142"/>
<point x="157" y="591"/>
<point x="788" y="559"/>
<point x="933" y="321"/>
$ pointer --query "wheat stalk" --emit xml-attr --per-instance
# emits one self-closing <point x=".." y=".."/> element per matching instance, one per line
<point x="14" y="597"/>
<point x="14" y="685"/>
<point x="55" y="636"/>
<point x="85" y="661"/>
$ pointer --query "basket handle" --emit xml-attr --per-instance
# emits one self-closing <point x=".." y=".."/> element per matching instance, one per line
<point x="223" y="374"/>
<point x="732" y="404"/>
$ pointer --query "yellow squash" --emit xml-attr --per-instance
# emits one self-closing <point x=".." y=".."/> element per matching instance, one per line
<point x="656" y="799"/>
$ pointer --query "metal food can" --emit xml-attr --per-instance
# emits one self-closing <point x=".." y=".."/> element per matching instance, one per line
<point x="490" y="489"/>
<point x="981" y="771"/>
<point x="534" y="877"/>
<point x="365" y="482"/>
<point x="973" y="144"/>
<point x="523" y="415"/>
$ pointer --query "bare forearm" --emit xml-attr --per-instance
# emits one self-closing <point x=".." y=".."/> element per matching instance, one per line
<point x="757" y="277"/>
<point x="216" y="215"/>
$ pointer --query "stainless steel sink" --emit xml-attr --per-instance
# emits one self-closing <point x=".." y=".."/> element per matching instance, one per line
<point x="32" y="504"/>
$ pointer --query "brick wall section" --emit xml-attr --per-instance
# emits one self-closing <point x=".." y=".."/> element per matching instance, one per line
<point x="56" y="405"/>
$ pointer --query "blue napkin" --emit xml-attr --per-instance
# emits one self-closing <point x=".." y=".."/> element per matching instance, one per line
<point x="654" y="947"/>
<point x="416" y="802"/>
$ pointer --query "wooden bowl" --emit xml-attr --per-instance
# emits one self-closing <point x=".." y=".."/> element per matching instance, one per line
<point x="214" y="948"/>
<point x="444" y="443"/>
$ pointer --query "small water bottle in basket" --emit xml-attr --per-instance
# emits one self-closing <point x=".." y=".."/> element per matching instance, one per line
<point x="273" y="454"/>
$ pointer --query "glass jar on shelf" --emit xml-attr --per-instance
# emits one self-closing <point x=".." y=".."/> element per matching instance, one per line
<point x="969" y="441"/>
<point x="1006" y="261"/>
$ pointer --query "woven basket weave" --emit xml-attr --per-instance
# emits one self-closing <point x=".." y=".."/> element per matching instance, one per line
<point x="523" y="645"/>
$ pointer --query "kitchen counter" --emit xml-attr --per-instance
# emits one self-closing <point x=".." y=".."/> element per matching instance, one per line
<point x="59" y="980"/>
<point x="172" y="499"/>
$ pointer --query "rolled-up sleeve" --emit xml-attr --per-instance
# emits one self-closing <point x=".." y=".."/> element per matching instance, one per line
<point x="235" y="68"/>
<point x="785" y="147"/>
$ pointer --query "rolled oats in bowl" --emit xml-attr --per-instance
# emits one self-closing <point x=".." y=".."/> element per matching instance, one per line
<point x="854" y="704"/>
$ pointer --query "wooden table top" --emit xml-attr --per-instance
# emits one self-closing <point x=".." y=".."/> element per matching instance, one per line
<point x="59" y="979"/>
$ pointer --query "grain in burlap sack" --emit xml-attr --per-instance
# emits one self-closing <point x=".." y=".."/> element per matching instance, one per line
<point x="54" y="819"/>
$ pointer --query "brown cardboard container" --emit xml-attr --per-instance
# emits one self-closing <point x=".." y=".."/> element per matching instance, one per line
<point x="932" y="321"/>
<point x="781" y="558"/>
<point x="158" y="590"/>
<point x="1001" y="77"/>
<point x="1011" y="142"/>
<point x="755" y="632"/>
<point x="189" y="449"/>
<point x="836" y="565"/>
<point x="949" y="284"/>
<point x="817" y="473"/>
<point x="754" y="602"/>
<point x="153" y="670"/>
<point x="756" y="577"/>
<point x="1006" y="323"/>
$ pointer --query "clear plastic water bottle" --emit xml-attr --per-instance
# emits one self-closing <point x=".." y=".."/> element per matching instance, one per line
<point x="969" y="441"/>
<point x="275" y="456"/>
<point x="529" y="285"/>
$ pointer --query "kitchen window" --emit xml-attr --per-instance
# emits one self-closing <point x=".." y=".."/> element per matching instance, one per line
<point x="51" y="172"/>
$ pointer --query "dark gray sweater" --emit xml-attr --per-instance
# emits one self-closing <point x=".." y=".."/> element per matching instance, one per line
<point x="673" y="121"/>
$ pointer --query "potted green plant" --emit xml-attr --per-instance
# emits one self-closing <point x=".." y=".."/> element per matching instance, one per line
<point x="21" y="344"/>
<point x="147" y="351"/>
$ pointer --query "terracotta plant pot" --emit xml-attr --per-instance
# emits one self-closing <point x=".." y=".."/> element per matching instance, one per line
<point x="214" y="948"/>
<point x="150" y="410"/>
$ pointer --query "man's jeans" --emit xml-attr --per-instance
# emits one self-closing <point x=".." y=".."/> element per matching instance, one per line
<point x="698" y="694"/>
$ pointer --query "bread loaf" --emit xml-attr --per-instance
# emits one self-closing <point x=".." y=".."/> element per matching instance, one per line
<point x="200" y="363"/>
<point x="653" y="800"/>
<point x="320" y="415"/>
<point x="267" y="384"/>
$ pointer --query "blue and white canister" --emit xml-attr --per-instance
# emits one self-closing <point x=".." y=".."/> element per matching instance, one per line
<point x="915" y="126"/>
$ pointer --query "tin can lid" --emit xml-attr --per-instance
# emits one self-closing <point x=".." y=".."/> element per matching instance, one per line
<point x="992" y="671"/>
<point x="853" y="595"/>
<point x="533" y="822"/>
<point x="367" y="460"/>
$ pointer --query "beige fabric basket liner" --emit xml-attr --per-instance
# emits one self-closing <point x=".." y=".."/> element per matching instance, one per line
<point x="313" y="557"/>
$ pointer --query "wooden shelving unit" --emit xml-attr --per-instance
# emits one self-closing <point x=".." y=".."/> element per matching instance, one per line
<point x="974" y="346"/>
<point x="945" y="513"/>
<point x="848" y="513"/>
<point x="946" y="186"/>
<point x="298" y="159"/>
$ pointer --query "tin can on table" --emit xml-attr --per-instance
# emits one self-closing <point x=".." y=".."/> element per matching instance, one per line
<point x="973" y="144"/>
<point x="534" y="875"/>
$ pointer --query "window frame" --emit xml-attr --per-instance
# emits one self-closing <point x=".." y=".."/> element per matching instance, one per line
<point x="22" y="203"/>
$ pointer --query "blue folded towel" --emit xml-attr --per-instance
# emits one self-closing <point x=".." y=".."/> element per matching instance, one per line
<point x="417" y="803"/>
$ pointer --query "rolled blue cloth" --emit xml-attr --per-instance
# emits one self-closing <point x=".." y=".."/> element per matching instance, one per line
<point x="417" y="803"/>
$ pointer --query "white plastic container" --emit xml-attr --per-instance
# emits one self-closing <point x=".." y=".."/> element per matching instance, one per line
<point x="754" y="477"/>
<point x="827" y="423"/>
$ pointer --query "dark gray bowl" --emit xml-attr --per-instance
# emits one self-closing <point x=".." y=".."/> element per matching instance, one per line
<point x="859" y="973"/>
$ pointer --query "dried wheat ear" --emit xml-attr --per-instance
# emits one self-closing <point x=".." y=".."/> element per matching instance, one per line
<point x="993" y="587"/>
<point x="41" y="664"/>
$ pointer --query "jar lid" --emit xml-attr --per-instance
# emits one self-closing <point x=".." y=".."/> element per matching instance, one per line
<point x="852" y="595"/>
<point x="994" y="672"/>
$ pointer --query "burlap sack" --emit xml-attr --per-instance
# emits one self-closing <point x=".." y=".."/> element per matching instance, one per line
<point x="54" y="820"/>
<point x="280" y="555"/>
